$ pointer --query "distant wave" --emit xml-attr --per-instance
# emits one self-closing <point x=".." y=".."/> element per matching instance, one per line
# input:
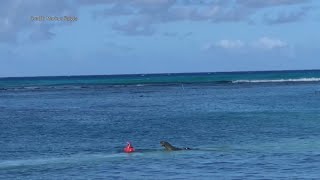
<point x="102" y="86"/>
<point x="278" y="80"/>
<point x="143" y="84"/>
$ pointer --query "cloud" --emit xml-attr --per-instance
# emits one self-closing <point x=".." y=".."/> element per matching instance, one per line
<point x="229" y="44"/>
<point x="177" y="34"/>
<point x="286" y="17"/>
<point x="269" y="43"/>
<point x="115" y="46"/>
<point x="115" y="10"/>
<point x="141" y="16"/>
<point x="144" y="19"/>
<point x="269" y="3"/>
<point x="170" y="34"/>
<point x="15" y="17"/>
<point x="265" y="43"/>
<point x="145" y="15"/>
<point x="139" y="27"/>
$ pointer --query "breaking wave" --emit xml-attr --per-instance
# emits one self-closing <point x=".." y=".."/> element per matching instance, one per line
<point x="278" y="80"/>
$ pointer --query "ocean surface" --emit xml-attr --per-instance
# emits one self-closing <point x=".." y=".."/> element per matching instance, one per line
<point x="241" y="125"/>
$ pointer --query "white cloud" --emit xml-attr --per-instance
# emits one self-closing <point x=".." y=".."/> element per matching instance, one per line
<point x="15" y="18"/>
<point x="230" y="44"/>
<point x="270" y="3"/>
<point x="269" y="43"/>
<point x="266" y="43"/>
<point x="166" y="11"/>
<point x="141" y="17"/>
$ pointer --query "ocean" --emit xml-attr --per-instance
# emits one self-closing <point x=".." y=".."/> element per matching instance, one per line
<point x="240" y="125"/>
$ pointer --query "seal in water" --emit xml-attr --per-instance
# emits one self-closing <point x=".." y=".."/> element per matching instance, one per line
<point x="169" y="147"/>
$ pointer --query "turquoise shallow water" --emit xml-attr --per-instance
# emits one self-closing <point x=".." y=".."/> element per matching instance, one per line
<point x="158" y="79"/>
<point x="240" y="130"/>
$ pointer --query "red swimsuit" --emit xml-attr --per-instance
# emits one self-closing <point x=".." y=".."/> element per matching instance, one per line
<point x="129" y="148"/>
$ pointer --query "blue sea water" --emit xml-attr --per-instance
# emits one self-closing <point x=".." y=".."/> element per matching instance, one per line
<point x="250" y="125"/>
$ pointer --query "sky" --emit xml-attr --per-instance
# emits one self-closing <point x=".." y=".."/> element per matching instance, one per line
<point x="98" y="37"/>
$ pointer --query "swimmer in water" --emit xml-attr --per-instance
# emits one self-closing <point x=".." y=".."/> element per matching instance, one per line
<point x="129" y="148"/>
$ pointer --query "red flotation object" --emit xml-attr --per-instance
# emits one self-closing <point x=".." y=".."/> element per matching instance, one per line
<point x="129" y="148"/>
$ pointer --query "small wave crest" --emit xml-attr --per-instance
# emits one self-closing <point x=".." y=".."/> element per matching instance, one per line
<point x="278" y="80"/>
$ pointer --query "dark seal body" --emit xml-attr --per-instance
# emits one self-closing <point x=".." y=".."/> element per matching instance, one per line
<point x="169" y="147"/>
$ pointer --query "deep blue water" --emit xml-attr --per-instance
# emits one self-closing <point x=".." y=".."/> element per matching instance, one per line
<point x="240" y="130"/>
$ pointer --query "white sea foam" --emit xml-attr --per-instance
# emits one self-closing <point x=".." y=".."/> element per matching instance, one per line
<point x="32" y="87"/>
<point x="57" y="160"/>
<point x="278" y="80"/>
